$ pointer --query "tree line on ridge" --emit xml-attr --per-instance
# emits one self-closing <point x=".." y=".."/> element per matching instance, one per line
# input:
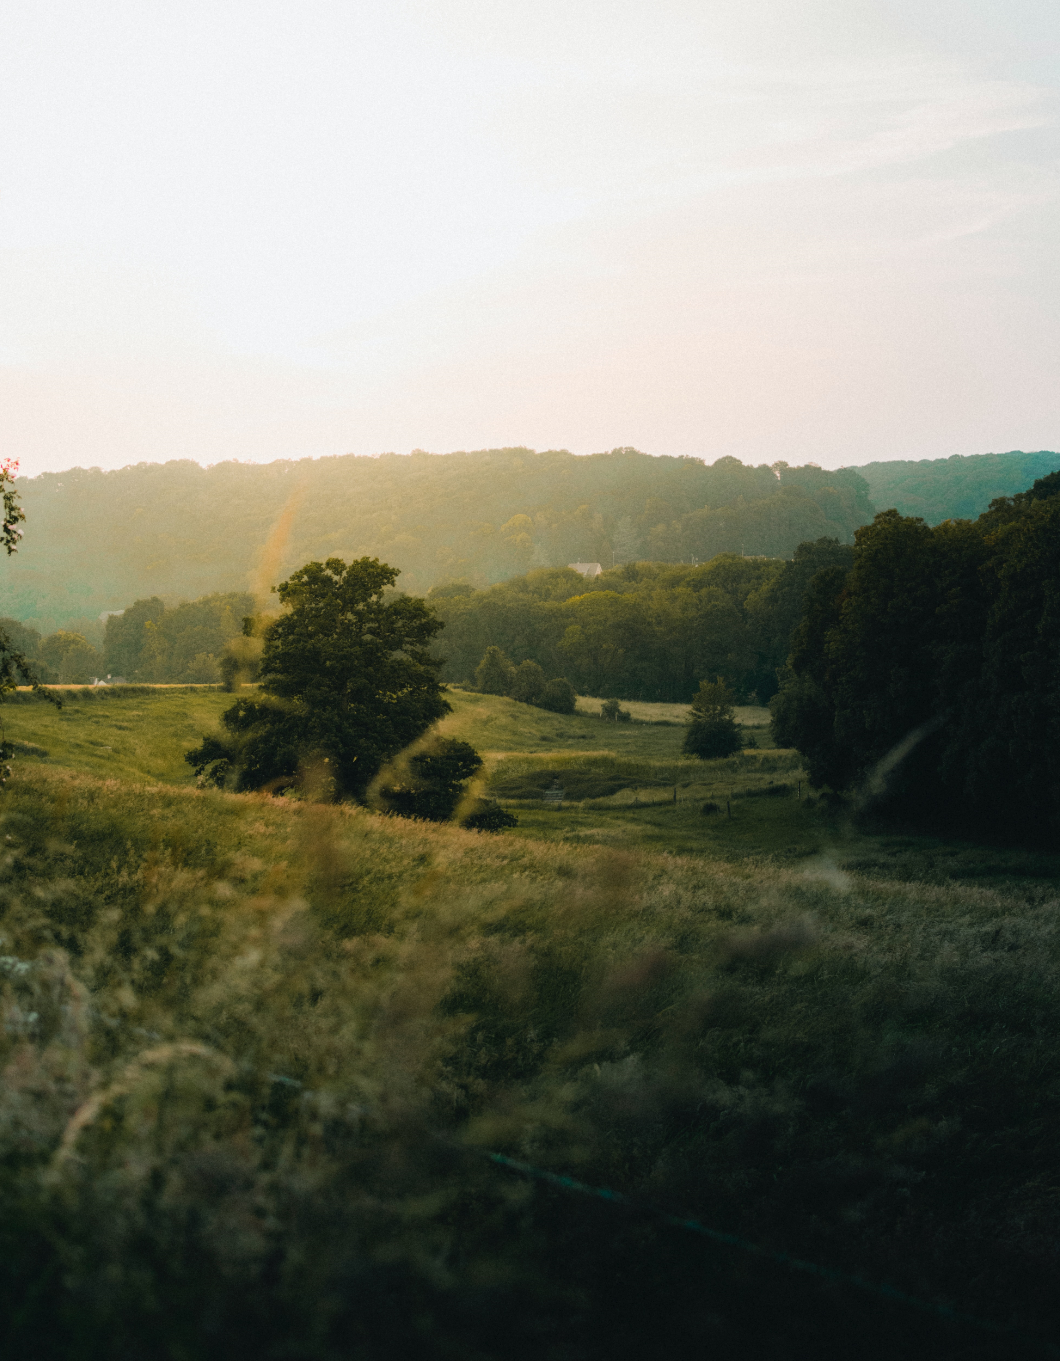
<point x="179" y="531"/>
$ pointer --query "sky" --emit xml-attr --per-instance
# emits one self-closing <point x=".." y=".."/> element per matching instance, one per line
<point x="805" y="229"/>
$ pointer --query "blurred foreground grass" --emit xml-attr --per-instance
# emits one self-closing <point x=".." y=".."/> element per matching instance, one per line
<point x="254" y="1049"/>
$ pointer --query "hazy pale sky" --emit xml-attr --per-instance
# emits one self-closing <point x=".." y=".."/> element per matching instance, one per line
<point x="809" y="229"/>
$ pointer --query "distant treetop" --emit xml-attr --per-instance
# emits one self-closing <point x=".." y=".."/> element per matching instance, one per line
<point x="179" y="532"/>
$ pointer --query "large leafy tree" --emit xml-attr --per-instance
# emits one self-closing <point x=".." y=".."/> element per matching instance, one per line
<point x="347" y="681"/>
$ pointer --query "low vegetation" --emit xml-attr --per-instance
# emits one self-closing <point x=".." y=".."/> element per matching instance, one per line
<point x="257" y="1052"/>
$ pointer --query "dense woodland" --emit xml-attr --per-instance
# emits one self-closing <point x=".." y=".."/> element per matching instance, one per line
<point x="926" y="677"/>
<point x="955" y="488"/>
<point x="647" y="630"/>
<point x="180" y="532"/>
<point x="104" y="539"/>
<point x="145" y="643"/>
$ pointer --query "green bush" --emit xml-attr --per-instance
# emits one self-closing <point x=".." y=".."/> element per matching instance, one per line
<point x="489" y="816"/>
<point x="712" y="729"/>
<point x="711" y="738"/>
<point x="527" y="683"/>
<point x="494" y="673"/>
<point x="558" y="697"/>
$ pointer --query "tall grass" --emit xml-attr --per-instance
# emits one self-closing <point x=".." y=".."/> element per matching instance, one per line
<point x="254" y="1051"/>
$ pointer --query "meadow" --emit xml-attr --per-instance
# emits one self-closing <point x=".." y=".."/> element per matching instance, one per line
<point x="135" y="732"/>
<point x="258" y="1053"/>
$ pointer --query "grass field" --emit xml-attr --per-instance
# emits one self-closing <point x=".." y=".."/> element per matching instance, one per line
<point x="498" y="726"/>
<point x="255" y="1053"/>
<point x="256" y="1050"/>
<point x="141" y="737"/>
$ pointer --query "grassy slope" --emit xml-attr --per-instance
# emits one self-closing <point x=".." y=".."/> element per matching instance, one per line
<point x="852" y="1067"/>
<point x="142" y="737"/>
<point x="498" y="726"/>
<point x="853" y="1033"/>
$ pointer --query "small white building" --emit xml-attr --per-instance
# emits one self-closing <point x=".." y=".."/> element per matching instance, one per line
<point x="587" y="569"/>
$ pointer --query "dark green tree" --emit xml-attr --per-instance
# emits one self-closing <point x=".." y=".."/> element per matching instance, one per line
<point x="926" y="679"/>
<point x="495" y="673"/>
<point x="558" y="696"/>
<point x="27" y="641"/>
<point x="71" y="658"/>
<point x="527" y="683"/>
<point x="712" y="729"/>
<point x="804" y="708"/>
<point x="347" y="681"/>
<point x="775" y="609"/>
<point x="126" y="637"/>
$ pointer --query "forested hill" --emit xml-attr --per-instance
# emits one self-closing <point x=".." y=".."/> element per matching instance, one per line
<point x="100" y="540"/>
<point x="957" y="488"/>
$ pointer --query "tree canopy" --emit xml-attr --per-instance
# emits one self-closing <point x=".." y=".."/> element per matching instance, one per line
<point x="646" y="630"/>
<point x="180" y="532"/>
<point x="959" y="487"/>
<point x="186" y="643"/>
<point x="927" y="675"/>
<point x="346" y="681"/>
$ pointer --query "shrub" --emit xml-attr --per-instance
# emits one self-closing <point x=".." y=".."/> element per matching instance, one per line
<point x="495" y="673"/>
<point x="527" y="683"/>
<point x="489" y="816"/>
<point x="711" y="738"/>
<point x="614" y="713"/>
<point x="558" y="697"/>
<point x="712" y="731"/>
